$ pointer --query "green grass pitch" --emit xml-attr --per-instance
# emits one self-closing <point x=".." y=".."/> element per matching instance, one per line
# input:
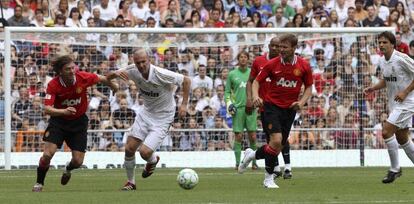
<point x="309" y="185"/>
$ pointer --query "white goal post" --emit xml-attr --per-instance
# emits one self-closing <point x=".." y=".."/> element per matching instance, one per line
<point x="11" y="31"/>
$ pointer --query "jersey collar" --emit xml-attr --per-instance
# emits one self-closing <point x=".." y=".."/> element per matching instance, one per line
<point x="392" y="56"/>
<point x="295" y="59"/>
<point x="62" y="82"/>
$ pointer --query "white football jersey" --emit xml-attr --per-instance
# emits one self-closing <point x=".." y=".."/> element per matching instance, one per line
<point x="398" y="73"/>
<point x="158" y="91"/>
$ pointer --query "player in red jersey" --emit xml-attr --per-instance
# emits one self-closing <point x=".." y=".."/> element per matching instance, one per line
<point x="66" y="103"/>
<point x="258" y="64"/>
<point x="287" y="73"/>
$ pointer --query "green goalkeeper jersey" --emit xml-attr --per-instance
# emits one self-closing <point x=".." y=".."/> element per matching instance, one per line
<point x="235" y="92"/>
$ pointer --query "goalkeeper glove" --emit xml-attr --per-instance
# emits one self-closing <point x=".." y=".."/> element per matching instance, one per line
<point x="232" y="109"/>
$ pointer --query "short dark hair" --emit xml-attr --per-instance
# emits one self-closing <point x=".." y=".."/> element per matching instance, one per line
<point x="319" y="51"/>
<point x="61" y="61"/>
<point x="389" y="36"/>
<point x="243" y="53"/>
<point x="290" y="38"/>
<point x="412" y="43"/>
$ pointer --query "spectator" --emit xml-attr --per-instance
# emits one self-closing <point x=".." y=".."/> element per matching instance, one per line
<point x="342" y="11"/>
<point x="153" y="12"/>
<point x="222" y="78"/>
<point x="307" y="11"/>
<point x="334" y="20"/>
<point x="170" y="61"/>
<point x="60" y="21"/>
<point x="106" y="139"/>
<point x="33" y="89"/>
<point x="83" y="9"/>
<point x="217" y="101"/>
<point x="38" y="20"/>
<point x="264" y="10"/>
<point x="104" y="111"/>
<point x="199" y="7"/>
<point x="392" y="20"/>
<point x="99" y="22"/>
<point x="62" y="9"/>
<point x="212" y="69"/>
<point x="125" y="12"/>
<point x="412" y="49"/>
<point x="299" y="21"/>
<point x="381" y="11"/>
<point x="21" y="107"/>
<point x="216" y="17"/>
<point x="288" y="11"/>
<point x="401" y="46"/>
<point x="302" y="140"/>
<point x="195" y="20"/>
<point x="7" y="11"/>
<point x="360" y="13"/>
<point x="244" y="13"/>
<point x="406" y="33"/>
<point x="192" y="112"/>
<point x="372" y="20"/>
<point x="75" y="19"/>
<point x="187" y="63"/>
<point x="314" y="112"/>
<point x="139" y="12"/>
<point x="218" y="5"/>
<point x="318" y="62"/>
<point x="106" y="12"/>
<point x="173" y="13"/>
<point x="26" y="10"/>
<point x="278" y="20"/>
<point x="35" y="114"/>
<point x="188" y="140"/>
<point x="347" y="139"/>
<point x="218" y="140"/>
<point x="18" y="19"/>
<point x="202" y="81"/>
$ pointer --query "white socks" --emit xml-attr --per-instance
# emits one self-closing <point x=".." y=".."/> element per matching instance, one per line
<point x="392" y="146"/>
<point x="277" y="168"/>
<point x="130" y="168"/>
<point x="152" y="159"/>
<point x="409" y="149"/>
<point x="287" y="166"/>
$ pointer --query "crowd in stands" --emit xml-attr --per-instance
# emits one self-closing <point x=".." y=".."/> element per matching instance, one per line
<point x="341" y="65"/>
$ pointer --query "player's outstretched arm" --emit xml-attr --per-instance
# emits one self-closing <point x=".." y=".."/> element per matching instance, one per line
<point x="55" y="112"/>
<point x="380" y="85"/>
<point x="109" y="80"/>
<point x="257" y="101"/>
<point x="186" y="92"/>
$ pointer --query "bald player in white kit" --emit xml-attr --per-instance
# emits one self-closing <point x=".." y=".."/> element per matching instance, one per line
<point x="157" y="87"/>
<point x="398" y="78"/>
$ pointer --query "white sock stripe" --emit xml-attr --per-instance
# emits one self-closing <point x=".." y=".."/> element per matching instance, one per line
<point x="407" y="143"/>
<point x="390" y="139"/>
<point x="129" y="158"/>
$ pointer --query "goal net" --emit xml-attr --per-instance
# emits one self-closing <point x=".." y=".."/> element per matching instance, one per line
<point x="338" y="116"/>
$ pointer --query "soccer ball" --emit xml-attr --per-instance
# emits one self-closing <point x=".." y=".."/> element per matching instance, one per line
<point x="187" y="179"/>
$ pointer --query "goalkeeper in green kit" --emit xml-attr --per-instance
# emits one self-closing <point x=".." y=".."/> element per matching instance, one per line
<point x="235" y="97"/>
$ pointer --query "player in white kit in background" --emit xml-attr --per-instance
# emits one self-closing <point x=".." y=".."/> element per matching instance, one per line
<point x="398" y="78"/>
<point x="157" y="87"/>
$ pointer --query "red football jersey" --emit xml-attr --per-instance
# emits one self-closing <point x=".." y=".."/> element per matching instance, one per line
<point x="257" y="66"/>
<point x="62" y="96"/>
<point x="286" y="80"/>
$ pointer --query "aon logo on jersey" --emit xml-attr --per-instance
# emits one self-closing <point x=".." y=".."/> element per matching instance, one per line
<point x="286" y="83"/>
<point x="71" y="102"/>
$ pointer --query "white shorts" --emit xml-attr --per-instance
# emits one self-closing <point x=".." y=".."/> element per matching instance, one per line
<point x="150" y="130"/>
<point x="401" y="118"/>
